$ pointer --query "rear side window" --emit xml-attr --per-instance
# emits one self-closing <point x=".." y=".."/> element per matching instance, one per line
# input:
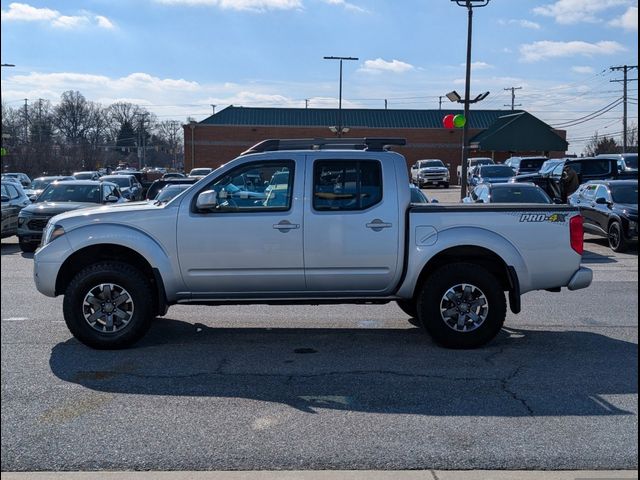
<point x="596" y="167"/>
<point x="346" y="185"/>
<point x="532" y="163"/>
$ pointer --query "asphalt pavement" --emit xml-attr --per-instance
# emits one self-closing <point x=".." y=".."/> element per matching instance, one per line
<point x="326" y="388"/>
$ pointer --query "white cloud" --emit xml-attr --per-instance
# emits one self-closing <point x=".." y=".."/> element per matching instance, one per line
<point x="579" y="69"/>
<point x="534" y="52"/>
<point x="104" y="22"/>
<point x="521" y="23"/>
<point x="576" y="11"/>
<point x="347" y="5"/>
<point x="478" y="65"/>
<point x="379" y="65"/>
<point x="22" y="12"/>
<point x="246" y="5"/>
<point x="628" y="21"/>
<point x="27" y="13"/>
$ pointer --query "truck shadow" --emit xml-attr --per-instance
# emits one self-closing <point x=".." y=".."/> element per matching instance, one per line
<point x="522" y="373"/>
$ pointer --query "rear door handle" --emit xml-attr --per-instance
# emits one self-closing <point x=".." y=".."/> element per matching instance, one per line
<point x="376" y="225"/>
<point x="285" y="226"/>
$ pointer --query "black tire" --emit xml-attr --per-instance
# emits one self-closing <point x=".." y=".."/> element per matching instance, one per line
<point x="446" y="184"/>
<point x="123" y="280"/>
<point x="483" y="287"/>
<point x="27" y="247"/>
<point x="409" y="307"/>
<point x="617" y="240"/>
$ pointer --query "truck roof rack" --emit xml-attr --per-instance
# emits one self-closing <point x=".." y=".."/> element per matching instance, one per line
<point x="370" y="144"/>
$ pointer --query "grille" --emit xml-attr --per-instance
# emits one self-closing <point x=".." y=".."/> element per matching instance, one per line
<point x="37" y="224"/>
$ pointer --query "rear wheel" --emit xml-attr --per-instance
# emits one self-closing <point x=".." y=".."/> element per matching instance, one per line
<point x="617" y="242"/>
<point x="462" y="305"/>
<point x="108" y="305"/>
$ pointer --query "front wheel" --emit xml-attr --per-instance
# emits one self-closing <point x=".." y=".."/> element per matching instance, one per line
<point x="108" y="305"/>
<point x="27" y="247"/>
<point x="462" y="305"/>
<point x="617" y="242"/>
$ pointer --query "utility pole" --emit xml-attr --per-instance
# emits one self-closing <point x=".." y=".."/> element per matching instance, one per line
<point x="625" y="80"/>
<point x="339" y="127"/>
<point x="385" y="104"/>
<point x="26" y="120"/>
<point x="214" y="108"/>
<point x="440" y="102"/>
<point x="513" y="97"/>
<point x="306" y="103"/>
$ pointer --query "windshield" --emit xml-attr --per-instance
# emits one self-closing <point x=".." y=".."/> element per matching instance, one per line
<point x="517" y="194"/>
<point x="41" y="183"/>
<point x="625" y="194"/>
<point x="69" y="192"/>
<point x="549" y="165"/>
<point x="119" y="180"/>
<point x="431" y="163"/>
<point x="499" y="171"/>
<point x="167" y="193"/>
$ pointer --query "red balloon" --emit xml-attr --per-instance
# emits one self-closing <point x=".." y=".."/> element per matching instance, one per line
<point x="447" y="121"/>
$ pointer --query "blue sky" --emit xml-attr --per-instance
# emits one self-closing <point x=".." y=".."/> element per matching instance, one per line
<point x="177" y="57"/>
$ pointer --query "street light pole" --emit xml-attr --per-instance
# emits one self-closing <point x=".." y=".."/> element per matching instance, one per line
<point x="339" y="128"/>
<point x="469" y="4"/>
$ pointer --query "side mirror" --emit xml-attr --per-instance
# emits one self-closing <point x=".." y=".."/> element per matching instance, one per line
<point x="4" y="198"/>
<point x="33" y="197"/>
<point x="111" y="199"/>
<point x="434" y="200"/>
<point x="558" y="201"/>
<point x="207" y="200"/>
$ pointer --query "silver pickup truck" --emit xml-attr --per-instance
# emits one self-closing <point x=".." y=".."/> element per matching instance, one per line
<point x="316" y="221"/>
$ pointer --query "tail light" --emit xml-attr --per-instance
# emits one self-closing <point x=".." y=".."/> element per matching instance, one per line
<point x="576" y="234"/>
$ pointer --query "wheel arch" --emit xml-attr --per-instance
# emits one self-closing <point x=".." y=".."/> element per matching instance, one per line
<point x="113" y="252"/>
<point x="486" y="258"/>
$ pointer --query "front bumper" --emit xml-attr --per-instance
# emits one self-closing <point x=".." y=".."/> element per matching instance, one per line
<point x="47" y="262"/>
<point x="581" y="279"/>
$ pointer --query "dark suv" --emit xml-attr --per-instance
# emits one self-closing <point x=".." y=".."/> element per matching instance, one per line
<point x="587" y="168"/>
<point x="610" y="209"/>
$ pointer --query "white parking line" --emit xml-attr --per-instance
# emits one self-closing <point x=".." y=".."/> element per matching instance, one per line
<point x="15" y="319"/>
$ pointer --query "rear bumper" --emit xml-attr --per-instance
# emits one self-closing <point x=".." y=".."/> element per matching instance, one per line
<point x="581" y="279"/>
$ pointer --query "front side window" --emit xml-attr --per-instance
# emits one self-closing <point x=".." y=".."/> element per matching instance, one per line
<point x="346" y="184"/>
<point x="596" y="167"/>
<point x="602" y="192"/>
<point x="255" y="187"/>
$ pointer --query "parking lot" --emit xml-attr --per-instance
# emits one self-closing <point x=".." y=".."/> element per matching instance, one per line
<point x="326" y="387"/>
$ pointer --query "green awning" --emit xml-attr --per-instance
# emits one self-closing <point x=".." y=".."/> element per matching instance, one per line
<point x="519" y="132"/>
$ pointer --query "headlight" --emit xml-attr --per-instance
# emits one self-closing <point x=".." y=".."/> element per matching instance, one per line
<point x="51" y="232"/>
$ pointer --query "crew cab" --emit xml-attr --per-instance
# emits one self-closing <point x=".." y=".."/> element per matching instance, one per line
<point x="430" y="172"/>
<point x="339" y="227"/>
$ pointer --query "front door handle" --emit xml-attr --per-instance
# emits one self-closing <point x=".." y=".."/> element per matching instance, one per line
<point x="285" y="225"/>
<point x="376" y="225"/>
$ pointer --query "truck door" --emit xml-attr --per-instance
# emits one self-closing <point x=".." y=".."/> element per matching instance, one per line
<point x="351" y="234"/>
<point x="251" y="242"/>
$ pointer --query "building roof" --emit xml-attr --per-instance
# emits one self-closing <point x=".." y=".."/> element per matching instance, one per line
<point x="519" y="132"/>
<point x="351" y="117"/>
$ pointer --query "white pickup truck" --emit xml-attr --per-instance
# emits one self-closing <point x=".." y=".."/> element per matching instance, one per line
<point x="336" y="227"/>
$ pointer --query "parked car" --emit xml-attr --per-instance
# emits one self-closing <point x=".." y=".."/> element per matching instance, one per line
<point x="430" y="172"/>
<point x="171" y="191"/>
<point x="525" y="164"/>
<point x="491" y="174"/>
<point x="13" y="200"/>
<point x="507" y="193"/>
<point x="610" y="209"/>
<point x="39" y="184"/>
<point x="586" y="168"/>
<point x="200" y="172"/>
<point x="23" y="177"/>
<point x="345" y="232"/>
<point x="129" y="186"/>
<point x="158" y="185"/>
<point x="61" y="197"/>
<point x="88" y="175"/>
<point x="172" y="175"/>
<point x="418" y="196"/>
<point x="471" y="164"/>
<point x="627" y="162"/>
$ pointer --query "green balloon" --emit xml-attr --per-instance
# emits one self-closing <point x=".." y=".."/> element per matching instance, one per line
<point x="459" y="121"/>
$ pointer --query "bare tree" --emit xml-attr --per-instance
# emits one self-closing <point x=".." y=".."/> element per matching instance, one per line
<point x="170" y="132"/>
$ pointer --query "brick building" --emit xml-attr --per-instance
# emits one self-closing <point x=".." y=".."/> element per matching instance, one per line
<point x="493" y="133"/>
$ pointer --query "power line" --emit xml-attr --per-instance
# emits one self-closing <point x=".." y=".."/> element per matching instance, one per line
<point x="595" y="114"/>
